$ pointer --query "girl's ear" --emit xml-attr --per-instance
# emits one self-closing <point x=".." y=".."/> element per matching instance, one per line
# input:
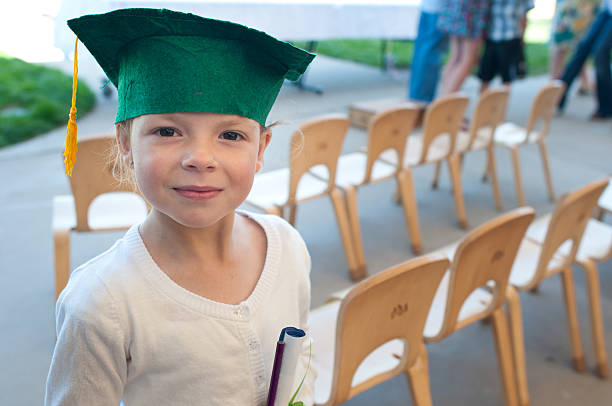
<point x="123" y="140"/>
<point x="264" y="140"/>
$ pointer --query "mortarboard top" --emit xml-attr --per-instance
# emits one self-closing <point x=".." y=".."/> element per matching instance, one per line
<point x="163" y="61"/>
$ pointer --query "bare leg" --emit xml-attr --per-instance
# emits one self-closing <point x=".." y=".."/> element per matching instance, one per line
<point x="451" y="63"/>
<point x="557" y="60"/>
<point x="469" y="50"/>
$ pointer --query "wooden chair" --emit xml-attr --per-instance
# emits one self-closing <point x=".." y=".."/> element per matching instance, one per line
<point x="316" y="142"/>
<point x="97" y="203"/>
<point x="388" y="131"/>
<point x="512" y="136"/>
<point x="536" y="262"/>
<point x="442" y="123"/>
<point x="490" y="111"/>
<point x="595" y="247"/>
<point x="475" y="287"/>
<point x="356" y="340"/>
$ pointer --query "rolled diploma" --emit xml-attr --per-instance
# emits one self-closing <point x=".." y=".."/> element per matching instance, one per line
<point x="294" y="342"/>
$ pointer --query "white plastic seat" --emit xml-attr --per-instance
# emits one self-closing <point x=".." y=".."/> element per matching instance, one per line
<point x="512" y="136"/>
<point x="352" y="170"/>
<point x="266" y="191"/>
<point x="477" y="303"/>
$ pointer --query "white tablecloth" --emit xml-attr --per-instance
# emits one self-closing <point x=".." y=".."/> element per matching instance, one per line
<point x="287" y="20"/>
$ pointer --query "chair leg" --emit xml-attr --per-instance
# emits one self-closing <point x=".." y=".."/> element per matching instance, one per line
<point x="597" y="329"/>
<point x="518" y="344"/>
<point x="546" y="165"/>
<point x="405" y="184"/>
<point x="504" y="355"/>
<point x="485" y="173"/>
<point x="434" y="183"/>
<point x="494" y="183"/>
<point x="572" y="318"/>
<point x="418" y="380"/>
<point x="340" y="209"/>
<point x="292" y="214"/>
<point x="517" y="177"/>
<point x="454" y="166"/>
<point x="61" y="245"/>
<point x="353" y="212"/>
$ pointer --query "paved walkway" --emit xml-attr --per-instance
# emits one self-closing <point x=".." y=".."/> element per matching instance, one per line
<point x="463" y="368"/>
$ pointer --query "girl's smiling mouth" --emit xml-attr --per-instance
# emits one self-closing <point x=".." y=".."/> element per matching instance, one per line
<point x="193" y="192"/>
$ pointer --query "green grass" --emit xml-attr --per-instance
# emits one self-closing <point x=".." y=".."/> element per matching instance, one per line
<point x="35" y="99"/>
<point x="371" y="51"/>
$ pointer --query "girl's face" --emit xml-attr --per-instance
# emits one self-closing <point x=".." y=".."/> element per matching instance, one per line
<point x="194" y="168"/>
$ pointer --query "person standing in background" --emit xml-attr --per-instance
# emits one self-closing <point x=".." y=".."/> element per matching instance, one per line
<point x="597" y="43"/>
<point x="430" y="46"/>
<point x="571" y="19"/>
<point x="465" y="22"/>
<point x="503" y="43"/>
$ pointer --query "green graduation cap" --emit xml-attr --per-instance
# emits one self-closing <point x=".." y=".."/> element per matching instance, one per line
<point x="163" y="61"/>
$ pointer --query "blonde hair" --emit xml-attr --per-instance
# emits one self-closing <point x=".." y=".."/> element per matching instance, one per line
<point x="123" y="174"/>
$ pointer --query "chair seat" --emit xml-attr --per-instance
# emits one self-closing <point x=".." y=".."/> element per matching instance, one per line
<point x="437" y="151"/>
<point x="351" y="170"/>
<point x="322" y="324"/>
<point x="478" y="301"/>
<point x="596" y="241"/>
<point x="526" y="261"/>
<point x="272" y="188"/>
<point x="109" y="211"/>
<point x="511" y="135"/>
<point x="605" y="201"/>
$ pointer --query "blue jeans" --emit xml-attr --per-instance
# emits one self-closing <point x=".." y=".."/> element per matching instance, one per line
<point x="598" y="43"/>
<point x="429" y="48"/>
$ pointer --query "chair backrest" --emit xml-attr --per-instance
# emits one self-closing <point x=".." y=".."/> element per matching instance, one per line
<point x="485" y="255"/>
<point x="443" y="118"/>
<point x="543" y="107"/>
<point x="316" y="142"/>
<point x="390" y="129"/>
<point x="490" y="111"/>
<point x="567" y="223"/>
<point x="392" y="304"/>
<point x="92" y="176"/>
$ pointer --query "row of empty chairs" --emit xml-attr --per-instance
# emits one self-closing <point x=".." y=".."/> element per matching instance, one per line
<point x="378" y="329"/>
<point x="393" y="149"/>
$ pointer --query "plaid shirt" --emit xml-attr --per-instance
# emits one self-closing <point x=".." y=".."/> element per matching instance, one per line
<point x="506" y="17"/>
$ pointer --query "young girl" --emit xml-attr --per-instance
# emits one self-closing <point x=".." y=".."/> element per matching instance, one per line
<point x="187" y="307"/>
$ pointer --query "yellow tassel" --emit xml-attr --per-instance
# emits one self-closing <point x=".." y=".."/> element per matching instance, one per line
<point x="71" y="132"/>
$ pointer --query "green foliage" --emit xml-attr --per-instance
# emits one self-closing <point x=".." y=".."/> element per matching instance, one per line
<point x="35" y="99"/>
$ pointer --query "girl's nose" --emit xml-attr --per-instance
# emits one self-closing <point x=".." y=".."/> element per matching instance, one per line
<point x="199" y="156"/>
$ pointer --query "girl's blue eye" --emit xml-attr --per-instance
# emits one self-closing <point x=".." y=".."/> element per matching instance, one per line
<point x="166" y="132"/>
<point x="231" y="136"/>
